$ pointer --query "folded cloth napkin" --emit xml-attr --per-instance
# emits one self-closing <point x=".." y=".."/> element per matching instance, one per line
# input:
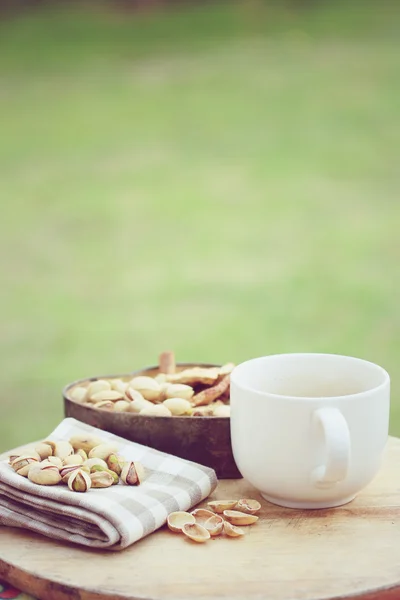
<point x="111" y="518"/>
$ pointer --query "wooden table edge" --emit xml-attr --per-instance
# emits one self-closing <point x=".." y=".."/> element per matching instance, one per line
<point x="37" y="586"/>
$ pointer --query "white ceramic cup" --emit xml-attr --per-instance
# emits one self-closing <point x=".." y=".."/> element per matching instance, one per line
<point x="309" y="430"/>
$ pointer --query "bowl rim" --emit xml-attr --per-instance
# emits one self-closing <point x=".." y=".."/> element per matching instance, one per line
<point x="67" y="398"/>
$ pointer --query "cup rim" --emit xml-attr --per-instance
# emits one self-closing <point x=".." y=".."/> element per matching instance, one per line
<point x="236" y="373"/>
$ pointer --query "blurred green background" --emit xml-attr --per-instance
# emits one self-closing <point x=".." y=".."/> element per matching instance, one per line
<point x="221" y="180"/>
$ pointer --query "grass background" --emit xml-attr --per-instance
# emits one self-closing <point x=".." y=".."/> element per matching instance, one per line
<point x="222" y="181"/>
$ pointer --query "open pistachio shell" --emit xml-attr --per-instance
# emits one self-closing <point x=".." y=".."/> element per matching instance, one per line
<point x="196" y="532"/>
<point x="247" y="505"/>
<point x="178" y="519"/>
<point x="239" y="518"/>
<point x="214" y="525"/>
<point x="231" y="530"/>
<point x="219" y="506"/>
<point x="201" y="515"/>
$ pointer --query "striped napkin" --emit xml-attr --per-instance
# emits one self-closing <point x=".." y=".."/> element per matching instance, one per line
<point x="111" y="518"/>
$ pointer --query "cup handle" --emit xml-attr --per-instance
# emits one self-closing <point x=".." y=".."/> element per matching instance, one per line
<point x="338" y="447"/>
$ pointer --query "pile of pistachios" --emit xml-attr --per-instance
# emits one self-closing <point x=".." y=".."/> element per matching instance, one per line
<point x="224" y="517"/>
<point x="195" y="391"/>
<point x="82" y="463"/>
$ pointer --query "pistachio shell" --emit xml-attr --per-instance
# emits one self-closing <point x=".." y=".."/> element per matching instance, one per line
<point x="231" y="530"/>
<point x="65" y="472"/>
<point x="219" y="506"/>
<point x="214" y="525"/>
<point x="91" y="462"/>
<point x="78" y="394"/>
<point x="81" y="453"/>
<point x="202" y="515"/>
<point x="102" y="451"/>
<point x="79" y="481"/>
<point x="115" y="463"/>
<point x="178" y="390"/>
<point x="156" y="410"/>
<point x="176" y="520"/>
<point x="133" y="394"/>
<point x="63" y="449"/>
<point x="196" y="532"/>
<point x="84" y="442"/>
<point x="147" y="386"/>
<point x="23" y="461"/>
<point x="73" y="459"/>
<point x="44" y="450"/>
<point x="106" y="395"/>
<point x="178" y="406"/>
<point x="247" y="505"/>
<point x="105" y="405"/>
<point x="44" y="475"/>
<point x="56" y="461"/>
<point x="118" y="385"/>
<point x="139" y="404"/>
<point x="132" y="473"/>
<point x="101" y="479"/>
<point x="100" y="385"/>
<point x="121" y="406"/>
<point x="239" y="518"/>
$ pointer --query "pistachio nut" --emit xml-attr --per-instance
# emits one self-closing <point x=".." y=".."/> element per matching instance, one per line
<point x="101" y="479"/>
<point x="101" y="385"/>
<point x="12" y="457"/>
<point x="214" y="525"/>
<point x="63" y="449"/>
<point x="79" y="481"/>
<point x="139" y="404"/>
<point x="99" y="469"/>
<point x="23" y="461"/>
<point x="82" y="454"/>
<point x="106" y="395"/>
<point x="105" y="405"/>
<point x="219" y="506"/>
<point x="102" y="451"/>
<point x="121" y="405"/>
<point x="115" y="463"/>
<point x="223" y="410"/>
<point x="239" y="518"/>
<point x="178" y="390"/>
<point x="91" y="462"/>
<point x="73" y="459"/>
<point x="56" y="461"/>
<point x="65" y="472"/>
<point x="247" y="505"/>
<point x="178" y="406"/>
<point x="161" y="378"/>
<point x="44" y="475"/>
<point x="51" y="444"/>
<point x="231" y="530"/>
<point x="132" y="473"/>
<point x="133" y="395"/>
<point x="196" y="532"/>
<point x="44" y="450"/>
<point x="84" y="442"/>
<point x="156" y="410"/>
<point x="176" y="520"/>
<point x="147" y="386"/>
<point x="118" y="385"/>
<point x="78" y="394"/>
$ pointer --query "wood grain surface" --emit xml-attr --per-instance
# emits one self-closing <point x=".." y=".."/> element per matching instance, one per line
<point x="348" y="552"/>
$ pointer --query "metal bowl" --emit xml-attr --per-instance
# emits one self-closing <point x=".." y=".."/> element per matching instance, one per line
<point x="204" y="440"/>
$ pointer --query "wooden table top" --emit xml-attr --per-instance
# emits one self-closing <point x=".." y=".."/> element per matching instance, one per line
<point x="348" y="552"/>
